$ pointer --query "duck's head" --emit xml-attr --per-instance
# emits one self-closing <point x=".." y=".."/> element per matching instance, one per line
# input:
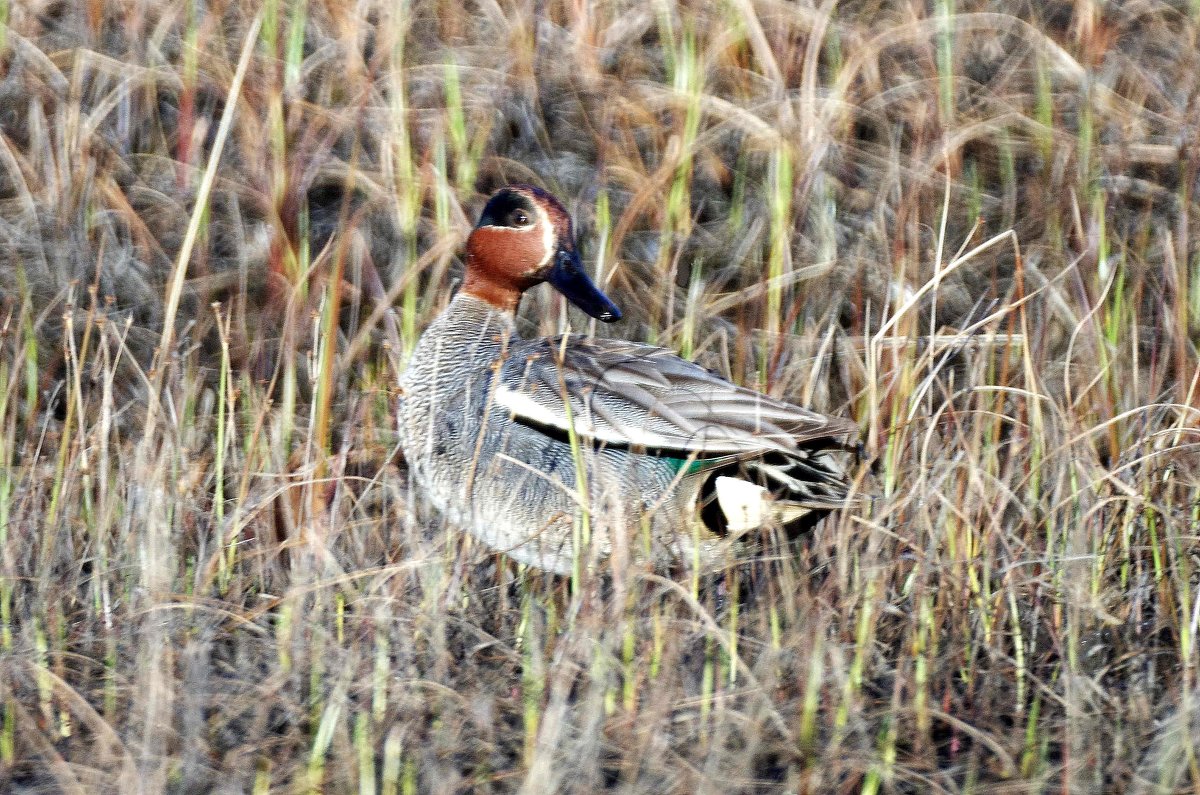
<point x="523" y="238"/>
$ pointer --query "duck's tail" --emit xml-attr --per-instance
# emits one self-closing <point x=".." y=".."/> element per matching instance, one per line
<point x="789" y="490"/>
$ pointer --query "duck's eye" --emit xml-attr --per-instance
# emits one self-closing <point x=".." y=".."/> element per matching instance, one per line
<point x="518" y="217"/>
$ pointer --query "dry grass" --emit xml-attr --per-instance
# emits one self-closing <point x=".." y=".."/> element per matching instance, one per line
<point x="970" y="227"/>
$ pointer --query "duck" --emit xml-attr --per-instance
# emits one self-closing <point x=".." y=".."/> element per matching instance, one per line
<point x="569" y="451"/>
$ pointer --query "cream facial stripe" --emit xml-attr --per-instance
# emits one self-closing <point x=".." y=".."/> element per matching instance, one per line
<point x="547" y="234"/>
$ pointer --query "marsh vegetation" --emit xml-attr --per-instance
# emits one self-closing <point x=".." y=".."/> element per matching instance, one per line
<point x="965" y="225"/>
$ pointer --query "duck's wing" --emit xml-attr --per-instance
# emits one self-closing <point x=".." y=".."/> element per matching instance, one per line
<point x="634" y="395"/>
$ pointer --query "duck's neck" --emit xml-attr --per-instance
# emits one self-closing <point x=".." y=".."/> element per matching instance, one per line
<point x="470" y="307"/>
<point x="474" y="322"/>
<point x="485" y="286"/>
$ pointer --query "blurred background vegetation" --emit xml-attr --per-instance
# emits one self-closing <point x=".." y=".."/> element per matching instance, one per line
<point x="966" y="225"/>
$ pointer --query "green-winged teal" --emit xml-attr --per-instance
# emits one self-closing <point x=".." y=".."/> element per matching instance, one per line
<point x="677" y="462"/>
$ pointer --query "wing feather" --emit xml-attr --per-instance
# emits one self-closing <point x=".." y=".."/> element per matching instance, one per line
<point x="629" y="394"/>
